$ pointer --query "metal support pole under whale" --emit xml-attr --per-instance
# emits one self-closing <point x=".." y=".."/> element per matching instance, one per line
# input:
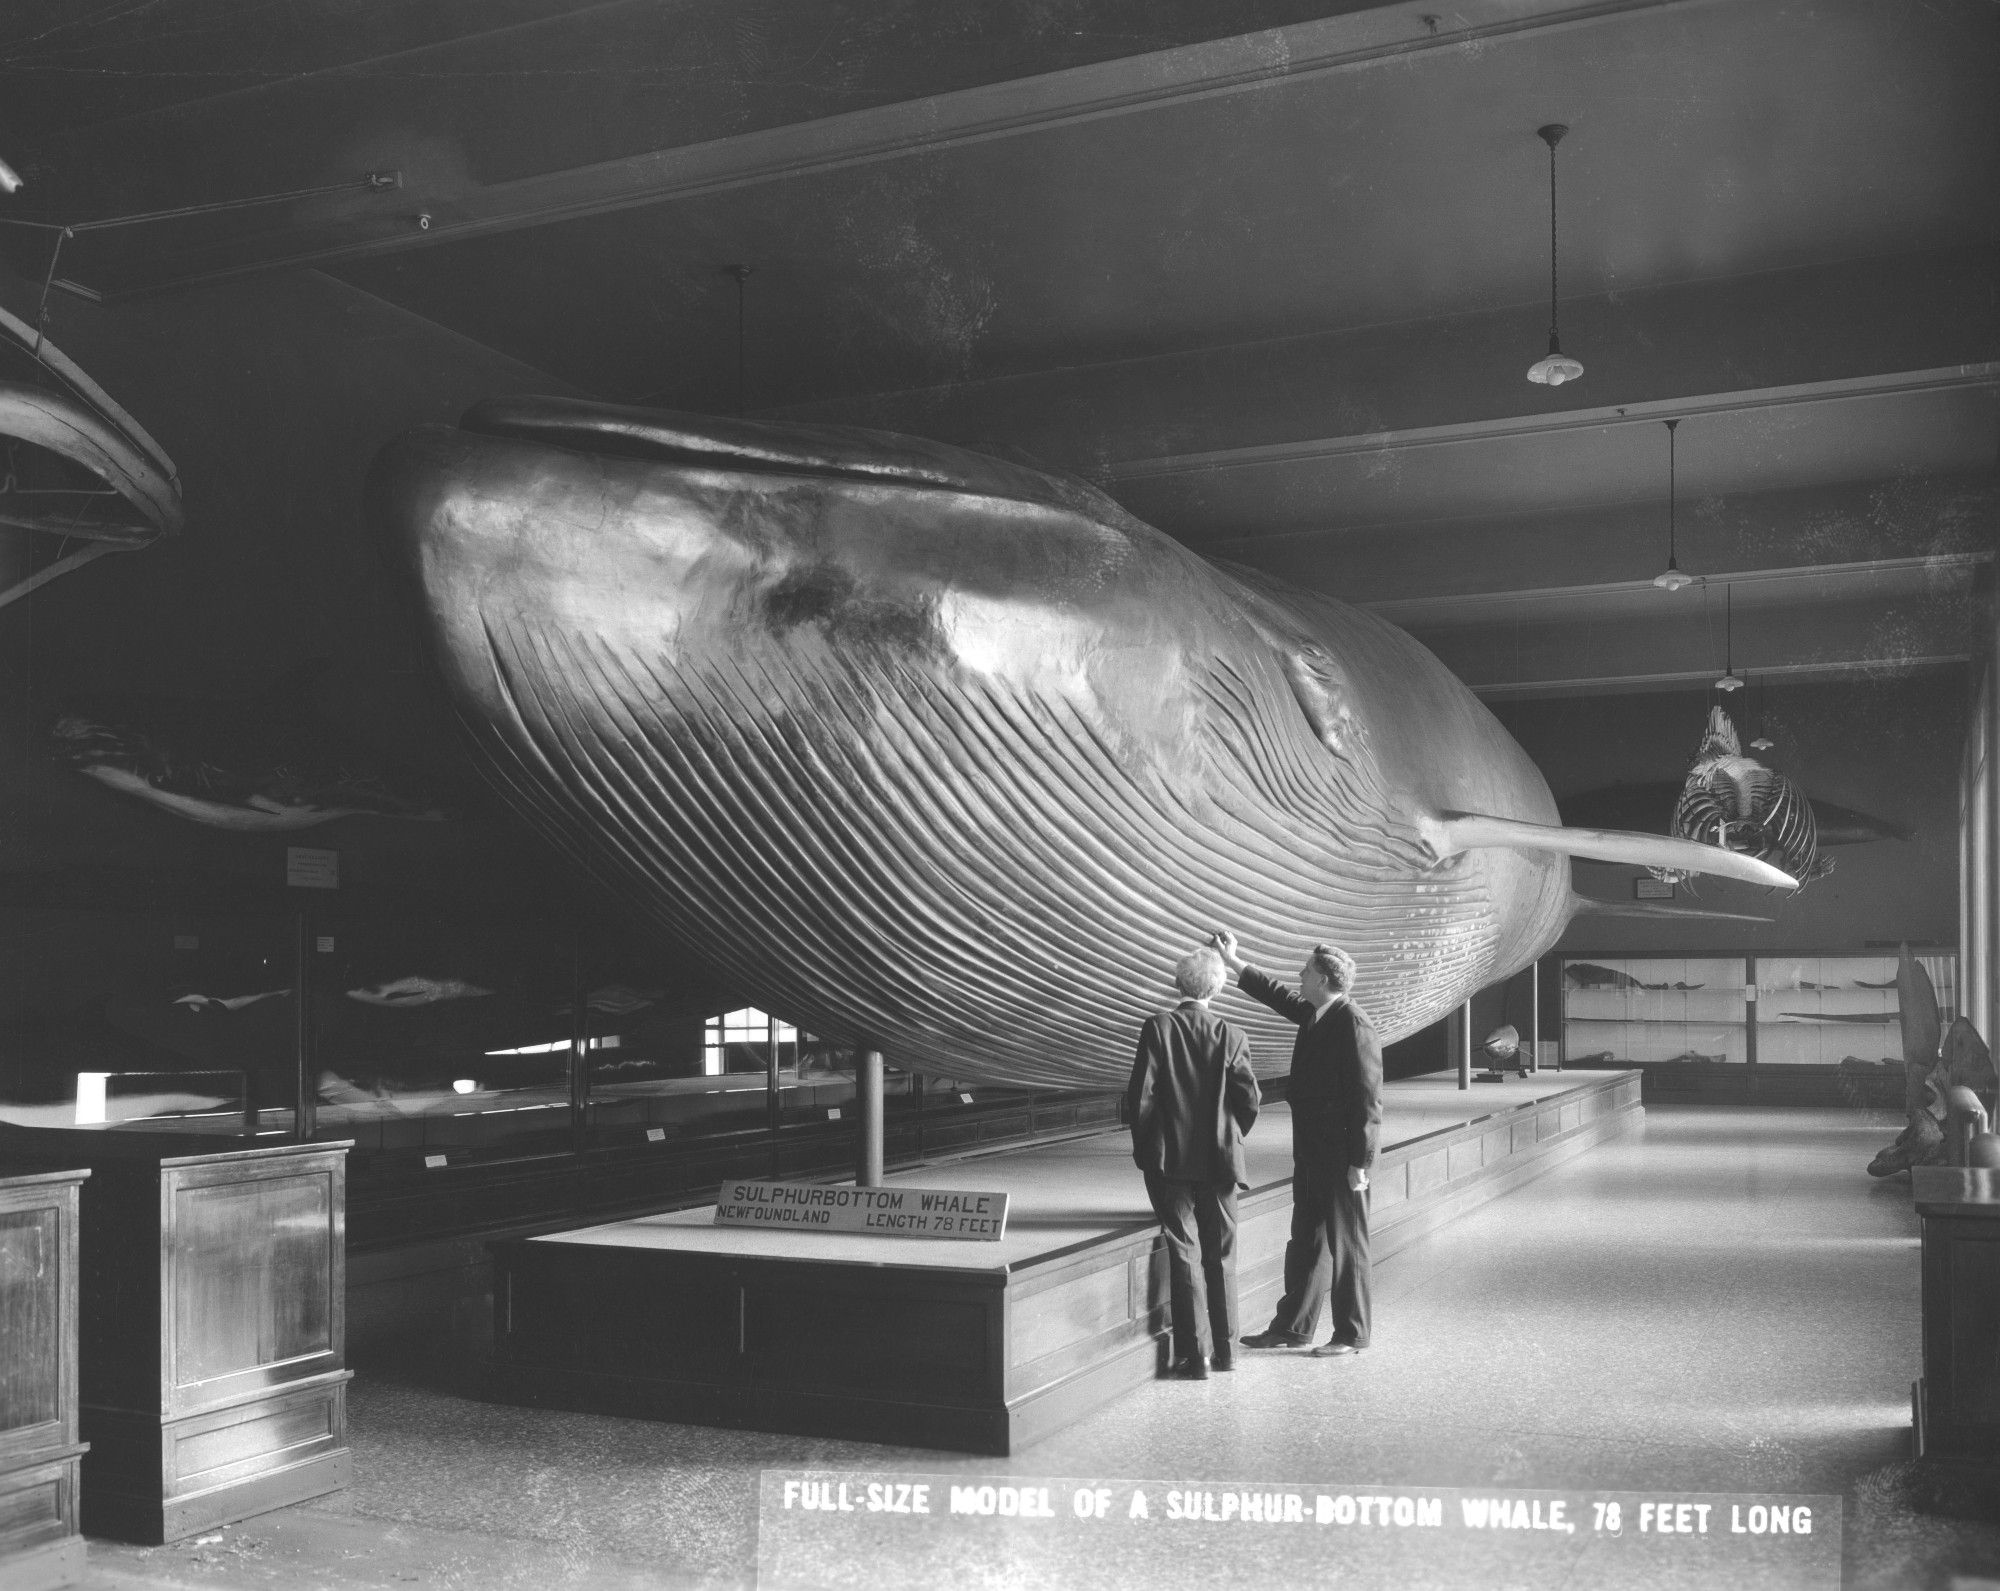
<point x="937" y="754"/>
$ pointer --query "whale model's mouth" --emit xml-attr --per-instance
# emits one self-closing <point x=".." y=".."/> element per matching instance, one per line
<point x="763" y="447"/>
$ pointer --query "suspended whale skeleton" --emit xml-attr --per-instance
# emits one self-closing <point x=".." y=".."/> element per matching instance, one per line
<point x="1735" y="802"/>
<point x="140" y="497"/>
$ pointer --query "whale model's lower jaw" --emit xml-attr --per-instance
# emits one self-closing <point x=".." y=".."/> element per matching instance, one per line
<point x="962" y="878"/>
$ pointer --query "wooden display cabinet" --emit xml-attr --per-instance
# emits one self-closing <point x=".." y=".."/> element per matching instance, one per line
<point x="39" y="1451"/>
<point x="1958" y="1399"/>
<point x="212" y="1328"/>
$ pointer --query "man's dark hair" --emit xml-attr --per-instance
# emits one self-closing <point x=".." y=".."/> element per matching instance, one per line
<point x="1335" y="965"/>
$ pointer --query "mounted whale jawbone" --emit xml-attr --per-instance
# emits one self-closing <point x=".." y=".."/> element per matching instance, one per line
<point x="942" y="755"/>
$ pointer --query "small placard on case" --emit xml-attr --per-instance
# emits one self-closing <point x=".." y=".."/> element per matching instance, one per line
<point x="1652" y="889"/>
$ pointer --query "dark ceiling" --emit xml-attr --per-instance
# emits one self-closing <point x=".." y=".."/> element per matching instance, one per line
<point x="1270" y="271"/>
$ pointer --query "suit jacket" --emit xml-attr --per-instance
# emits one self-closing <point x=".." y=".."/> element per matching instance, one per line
<point x="1336" y="1087"/>
<point x="1192" y="1096"/>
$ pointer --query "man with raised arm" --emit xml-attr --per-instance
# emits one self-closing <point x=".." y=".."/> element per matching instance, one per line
<point x="1191" y="1099"/>
<point x="1336" y="1098"/>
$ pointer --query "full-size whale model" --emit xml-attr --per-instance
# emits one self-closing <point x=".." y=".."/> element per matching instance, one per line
<point x="935" y="753"/>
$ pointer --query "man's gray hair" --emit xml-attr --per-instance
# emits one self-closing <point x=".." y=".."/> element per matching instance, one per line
<point x="1335" y="965"/>
<point x="1200" y="973"/>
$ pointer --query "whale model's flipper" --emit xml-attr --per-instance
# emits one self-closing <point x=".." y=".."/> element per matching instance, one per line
<point x="1452" y="832"/>
<point x="1585" y="906"/>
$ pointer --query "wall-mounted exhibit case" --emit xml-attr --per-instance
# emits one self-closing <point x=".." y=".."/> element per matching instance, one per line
<point x="40" y="1453"/>
<point x="487" y="1070"/>
<point x="211" y="1348"/>
<point x="1689" y="1021"/>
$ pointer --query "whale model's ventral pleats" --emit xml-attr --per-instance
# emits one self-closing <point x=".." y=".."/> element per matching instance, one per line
<point x="976" y="837"/>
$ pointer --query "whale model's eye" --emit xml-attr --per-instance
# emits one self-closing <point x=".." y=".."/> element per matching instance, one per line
<point x="1322" y="696"/>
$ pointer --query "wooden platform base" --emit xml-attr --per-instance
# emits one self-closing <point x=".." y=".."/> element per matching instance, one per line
<point x="926" y="1344"/>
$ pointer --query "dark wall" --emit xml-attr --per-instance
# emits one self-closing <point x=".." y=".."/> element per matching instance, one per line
<point x="271" y="395"/>
<point x="1886" y="747"/>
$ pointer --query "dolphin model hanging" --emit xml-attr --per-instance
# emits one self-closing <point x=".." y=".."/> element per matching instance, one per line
<point x="935" y="753"/>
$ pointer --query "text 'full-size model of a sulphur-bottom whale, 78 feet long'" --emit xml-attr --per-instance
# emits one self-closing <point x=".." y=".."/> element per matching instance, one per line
<point x="935" y="753"/>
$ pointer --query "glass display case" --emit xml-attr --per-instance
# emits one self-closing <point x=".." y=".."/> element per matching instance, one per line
<point x="153" y="1021"/>
<point x="1623" y="1010"/>
<point x="440" y="1034"/>
<point x="1769" y="1010"/>
<point x="487" y="1065"/>
<point x="1828" y="1010"/>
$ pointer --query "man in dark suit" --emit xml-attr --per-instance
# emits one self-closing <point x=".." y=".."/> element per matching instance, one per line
<point x="1336" y="1098"/>
<point x="1191" y="1099"/>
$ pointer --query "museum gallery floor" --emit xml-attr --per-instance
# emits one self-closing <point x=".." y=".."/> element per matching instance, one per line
<point x="976" y="1347"/>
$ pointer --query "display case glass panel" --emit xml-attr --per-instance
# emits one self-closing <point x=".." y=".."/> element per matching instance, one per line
<point x="1826" y="1010"/>
<point x="1802" y="1010"/>
<point x="440" y="1035"/>
<point x="152" y="1021"/>
<point x="664" y="1066"/>
<point x="1626" y="1010"/>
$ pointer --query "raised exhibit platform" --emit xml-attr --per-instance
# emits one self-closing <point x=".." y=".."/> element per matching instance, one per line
<point x="977" y="1347"/>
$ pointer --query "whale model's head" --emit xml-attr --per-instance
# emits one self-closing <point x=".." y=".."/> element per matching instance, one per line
<point x="942" y="754"/>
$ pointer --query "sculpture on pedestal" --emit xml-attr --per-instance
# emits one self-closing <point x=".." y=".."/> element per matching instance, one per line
<point x="1932" y="1066"/>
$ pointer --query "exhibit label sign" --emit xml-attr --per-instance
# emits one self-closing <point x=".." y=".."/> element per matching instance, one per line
<point x="871" y="1212"/>
<point x="887" y="1531"/>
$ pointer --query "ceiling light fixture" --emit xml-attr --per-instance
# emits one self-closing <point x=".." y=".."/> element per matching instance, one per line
<point x="1729" y="681"/>
<point x="1558" y="367"/>
<point x="1671" y="578"/>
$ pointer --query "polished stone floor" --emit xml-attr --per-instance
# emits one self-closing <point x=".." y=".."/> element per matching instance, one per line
<point x="1720" y="1303"/>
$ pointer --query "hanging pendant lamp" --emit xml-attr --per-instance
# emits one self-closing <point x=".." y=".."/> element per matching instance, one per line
<point x="1729" y="681"/>
<point x="1558" y="367"/>
<point x="1671" y="578"/>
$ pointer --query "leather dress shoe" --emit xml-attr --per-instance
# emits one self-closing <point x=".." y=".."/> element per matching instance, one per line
<point x="1222" y="1359"/>
<point x="1192" y="1369"/>
<point x="1273" y="1339"/>
<point x="1336" y="1350"/>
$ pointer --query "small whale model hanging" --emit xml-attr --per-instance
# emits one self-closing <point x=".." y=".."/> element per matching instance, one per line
<point x="1735" y="802"/>
<point x="937" y="754"/>
<point x="265" y="765"/>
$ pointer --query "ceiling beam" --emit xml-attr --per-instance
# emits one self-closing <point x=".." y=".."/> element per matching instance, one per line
<point x="1126" y="86"/>
<point x="1984" y="374"/>
<point x="1900" y="321"/>
<point x="1923" y="519"/>
<point x="1858" y="635"/>
<point x="1753" y="591"/>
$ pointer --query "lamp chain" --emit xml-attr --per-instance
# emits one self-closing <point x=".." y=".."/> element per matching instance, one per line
<point x="1672" y="549"/>
<point x="1552" y="241"/>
